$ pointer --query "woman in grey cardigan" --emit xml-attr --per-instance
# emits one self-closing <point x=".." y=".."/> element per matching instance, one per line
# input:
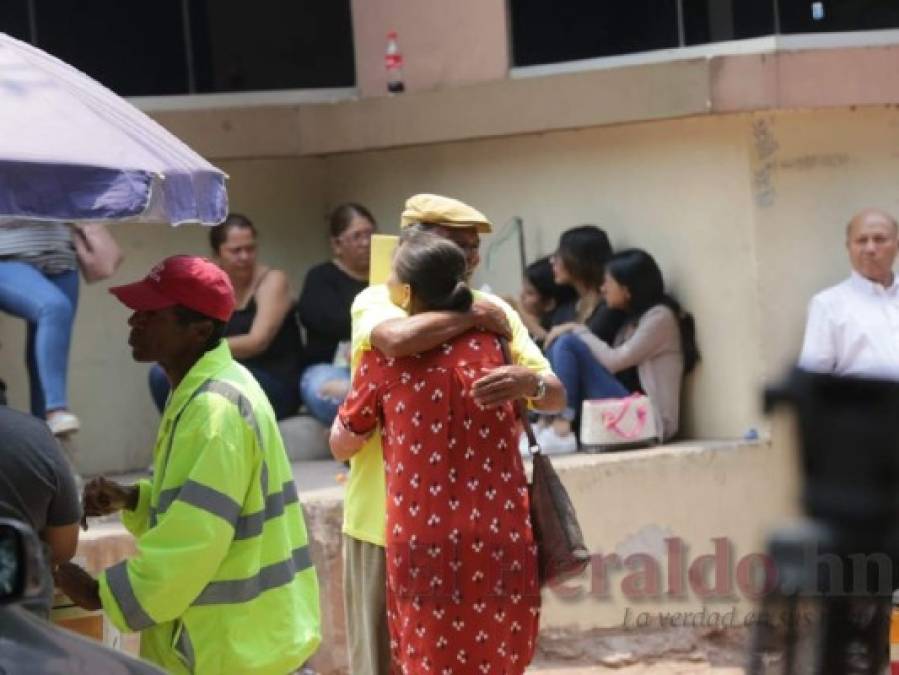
<point x="650" y="353"/>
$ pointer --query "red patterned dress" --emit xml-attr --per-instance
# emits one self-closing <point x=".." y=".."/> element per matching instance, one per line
<point x="462" y="590"/>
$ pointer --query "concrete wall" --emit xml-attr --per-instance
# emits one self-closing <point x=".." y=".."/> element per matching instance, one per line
<point x="443" y="43"/>
<point x="667" y="85"/>
<point x="678" y="188"/>
<point x="107" y="389"/>
<point x="811" y="172"/>
<point x="630" y="503"/>
<point x="744" y="212"/>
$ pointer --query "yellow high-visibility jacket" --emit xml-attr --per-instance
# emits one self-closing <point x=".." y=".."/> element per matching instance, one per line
<point x="222" y="581"/>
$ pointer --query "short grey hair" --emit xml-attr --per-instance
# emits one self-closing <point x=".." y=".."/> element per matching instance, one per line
<point x="870" y="211"/>
<point x="415" y="229"/>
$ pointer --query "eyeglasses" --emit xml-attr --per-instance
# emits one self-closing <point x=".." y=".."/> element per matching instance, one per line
<point x="357" y="237"/>
<point x="467" y="245"/>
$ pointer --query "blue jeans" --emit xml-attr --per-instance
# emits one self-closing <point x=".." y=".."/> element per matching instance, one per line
<point x="283" y="397"/>
<point x="322" y="408"/>
<point x="48" y="303"/>
<point x="583" y="377"/>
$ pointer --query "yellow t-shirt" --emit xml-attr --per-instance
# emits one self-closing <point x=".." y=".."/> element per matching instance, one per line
<point x="364" y="509"/>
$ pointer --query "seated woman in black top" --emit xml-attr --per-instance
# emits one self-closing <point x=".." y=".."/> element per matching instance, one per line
<point x="262" y="334"/>
<point x="324" y="310"/>
<point x="580" y="262"/>
<point x="543" y="303"/>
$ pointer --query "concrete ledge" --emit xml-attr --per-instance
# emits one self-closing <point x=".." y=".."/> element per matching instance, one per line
<point x="706" y="495"/>
<point x="812" y="78"/>
<point x="627" y="502"/>
<point x="305" y="438"/>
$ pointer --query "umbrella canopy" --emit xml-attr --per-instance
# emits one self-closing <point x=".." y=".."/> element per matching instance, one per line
<point x="71" y="150"/>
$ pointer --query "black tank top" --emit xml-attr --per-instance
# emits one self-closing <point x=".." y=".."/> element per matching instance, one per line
<point x="284" y="355"/>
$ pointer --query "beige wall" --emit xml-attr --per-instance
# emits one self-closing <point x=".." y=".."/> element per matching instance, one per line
<point x="443" y="43"/>
<point x="107" y="389"/>
<point x="679" y="188"/>
<point x="744" y="212"/>
<point x="631" y="502"/>
<point x="823" y="167"/>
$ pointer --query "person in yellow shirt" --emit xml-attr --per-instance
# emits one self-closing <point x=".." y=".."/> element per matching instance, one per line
<point x="378" y="323"/>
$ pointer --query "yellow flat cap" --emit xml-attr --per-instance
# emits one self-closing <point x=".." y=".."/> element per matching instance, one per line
<point x="425" y="208"/>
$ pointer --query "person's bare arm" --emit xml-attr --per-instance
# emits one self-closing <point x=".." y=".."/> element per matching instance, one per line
<point x="421" y="332"/>
<point x="62" y="541"/>
<point x="559" y="330"/>
<point x="344" y="443"/>
<point x="522" y="378"/>
<point x="656" y="330"/>
<point x="554" y="398"/>
<point x="508" y="383"/>
<point x="102" y="496"/>
<point x="80" y="586"/>
<point x="273" y="301"/>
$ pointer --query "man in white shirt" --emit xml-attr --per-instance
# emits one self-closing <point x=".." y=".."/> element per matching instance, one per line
<point x="853" y="327"/>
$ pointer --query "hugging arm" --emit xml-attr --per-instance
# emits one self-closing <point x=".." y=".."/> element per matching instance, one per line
<point x="421" y="332"/>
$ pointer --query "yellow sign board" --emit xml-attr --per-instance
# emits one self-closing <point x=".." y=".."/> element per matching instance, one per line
<point x="382" y="248"/>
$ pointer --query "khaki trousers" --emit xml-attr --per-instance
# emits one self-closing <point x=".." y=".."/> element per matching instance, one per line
<point x="365" y="606"/>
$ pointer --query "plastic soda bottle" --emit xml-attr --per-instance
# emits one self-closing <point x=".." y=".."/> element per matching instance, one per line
<point x="393" y="62"/>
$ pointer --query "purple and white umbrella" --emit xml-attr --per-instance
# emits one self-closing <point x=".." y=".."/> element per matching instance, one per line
<point x="72" y="150"/>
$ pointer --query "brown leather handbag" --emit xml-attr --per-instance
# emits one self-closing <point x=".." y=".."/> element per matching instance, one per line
<point x="561" y="553"/>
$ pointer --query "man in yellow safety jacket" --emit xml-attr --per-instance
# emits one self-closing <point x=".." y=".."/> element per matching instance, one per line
<point x="222" y="581"/>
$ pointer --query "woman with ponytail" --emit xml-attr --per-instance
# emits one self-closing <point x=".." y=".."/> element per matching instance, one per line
<point x="462" y="588"/>
<point x="651" y="353"/>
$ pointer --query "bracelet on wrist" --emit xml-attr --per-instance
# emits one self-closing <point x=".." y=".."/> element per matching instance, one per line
<point x="540" y="391"/>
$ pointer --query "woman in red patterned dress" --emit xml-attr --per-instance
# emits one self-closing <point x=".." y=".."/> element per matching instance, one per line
<point x="462" y="589"/>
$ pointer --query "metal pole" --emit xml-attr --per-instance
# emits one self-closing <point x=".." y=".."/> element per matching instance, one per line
<point x="188" y="48"/>
<point x="32" y="22"/>
<point x="681" y="29"/>
<point x="519" y="224"/>
<point x="776" y="17"/>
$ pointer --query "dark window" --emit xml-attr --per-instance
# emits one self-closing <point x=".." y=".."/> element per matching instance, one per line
<point x="550" y="32"/>
<point x="134" y="48"/>
<point x="14" y="19"/>
<point x="144" y="48"/>
<point x="720" y="20"/>
<point x="814" y="16"/>
<point x="272" y="44"/>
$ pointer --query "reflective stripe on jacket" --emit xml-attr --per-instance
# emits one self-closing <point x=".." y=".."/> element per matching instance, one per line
<point x="222" y="581"/>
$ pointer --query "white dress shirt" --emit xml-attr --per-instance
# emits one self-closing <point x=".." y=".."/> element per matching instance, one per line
<point x="853" y="329"/>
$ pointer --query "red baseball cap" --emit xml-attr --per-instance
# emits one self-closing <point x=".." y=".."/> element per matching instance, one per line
<point x="193" y="282"/>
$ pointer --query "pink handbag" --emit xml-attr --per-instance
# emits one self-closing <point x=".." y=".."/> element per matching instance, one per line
<point x="618" y="423"/>
<point x="99" y="256"/>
